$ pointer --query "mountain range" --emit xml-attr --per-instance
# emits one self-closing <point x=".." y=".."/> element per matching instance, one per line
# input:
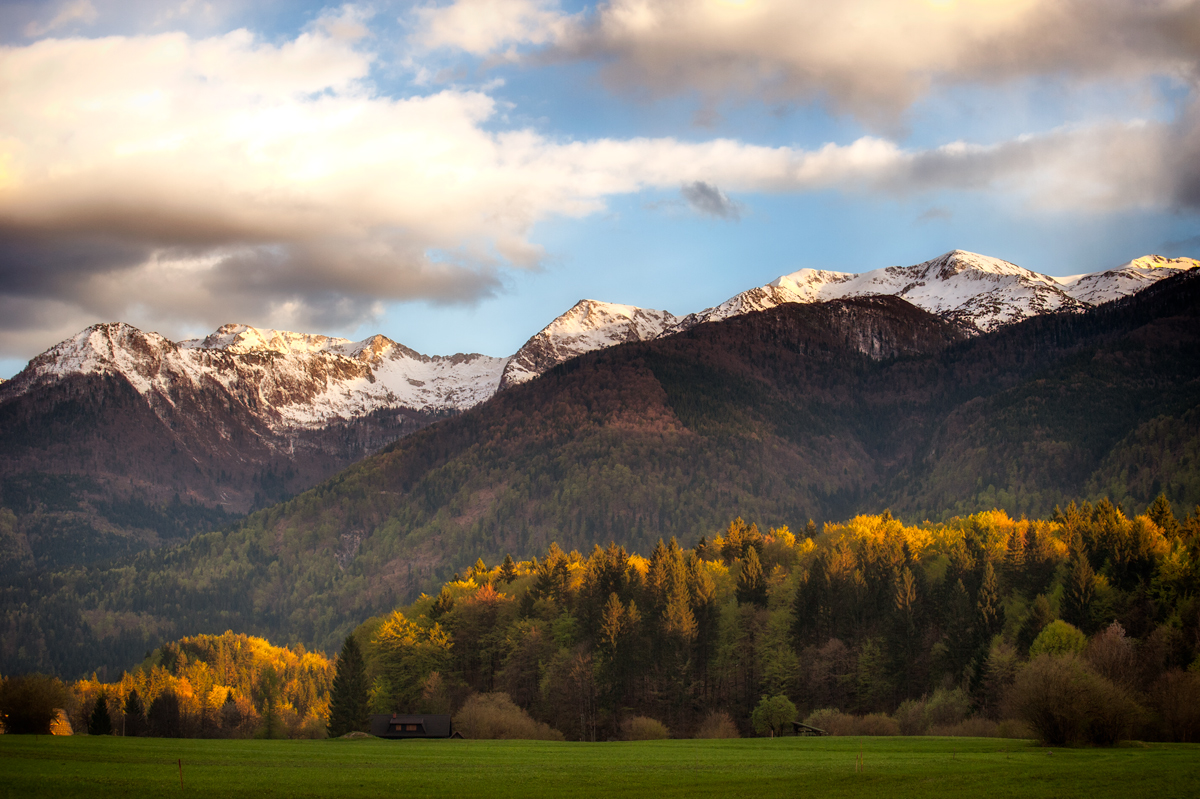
<point x="119" y="439"/>
<point x="817" y="410"/>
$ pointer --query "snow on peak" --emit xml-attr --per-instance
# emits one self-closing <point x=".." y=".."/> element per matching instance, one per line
<point x="588" y="325"/>
<point x="240" y="339"/>
<point x="1126" y="279"/>
<point x="977" y="292"/>
<point x="304" y="380"/>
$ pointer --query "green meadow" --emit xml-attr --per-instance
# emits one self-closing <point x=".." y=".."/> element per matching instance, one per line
<point x="891" y="767"/>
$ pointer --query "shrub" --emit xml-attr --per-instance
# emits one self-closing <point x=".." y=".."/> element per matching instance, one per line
<point x="718" y="725"/>
<point x="875" y="724"/>
<point x="772" y="715"/>
<point x="947" y="708"/>
<point x="1058" y="638"/>
<point x="835" y="722"/>
<point x="496" y="716"/>
<point x="29" y="704"/>
<point x="910" y="717"/>
<point x="641" y="728"/>
<point x="1176" y="698"/>
<point x="976" y="727"/>
<point x="1065" y="702"/>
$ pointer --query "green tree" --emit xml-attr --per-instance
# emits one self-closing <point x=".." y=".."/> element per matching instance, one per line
<point x="1079" y="592"/>
<point x="1058" y="638"/>
<point x="28" y="704"/>
<point x="772" y="715"/>
<point x="100" y="723"/>
<point x="1160" y="513"/>
<point x="134" y="723"/>
<point x="349" y="709"/>
<point x="751" y="584"/>
<point x="508" y="570"/>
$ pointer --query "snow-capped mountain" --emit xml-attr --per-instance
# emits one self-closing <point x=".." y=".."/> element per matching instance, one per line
<point x="589" y="325"/>
<point x="287" y="380"/>
<point x="977" y="292"/>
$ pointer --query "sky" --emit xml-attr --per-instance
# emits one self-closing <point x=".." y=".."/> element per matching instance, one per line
<point x="455" y="174"/>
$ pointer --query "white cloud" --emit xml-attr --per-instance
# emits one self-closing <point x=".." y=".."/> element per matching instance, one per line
<point x="200" y="181"/>
<point x="869" y="58"/>
<point x="70" y="12"/>
<point x="483" y="27"/>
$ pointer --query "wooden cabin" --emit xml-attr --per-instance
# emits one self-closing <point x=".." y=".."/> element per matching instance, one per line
<point x="399" y="725"/>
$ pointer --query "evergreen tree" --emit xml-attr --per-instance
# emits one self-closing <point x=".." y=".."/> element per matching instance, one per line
<point x="135" y="715"/>
<point x="991" y="613"/>
<point x="348" y="701"/>
<point x="751" y="584"/>
<point x="1080" y="590"/>
<point x="100" y="723"/>
<point x="1160" y="513"/>
<point x="1039" y="616"/>
<point x="508" y="570"/>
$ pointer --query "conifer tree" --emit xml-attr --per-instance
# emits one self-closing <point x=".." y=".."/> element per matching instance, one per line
<point x="348" y="701"/>
<point x="135" y="715"/>
<point x="751" y="584"/>
<point x="100" y="723"/>
<point x="1160" y="513"/>
<point x="991" y="613"/>
<point x="508" y="570"/>
<point x="1080" y="590"/>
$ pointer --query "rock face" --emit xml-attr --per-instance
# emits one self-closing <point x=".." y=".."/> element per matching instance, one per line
<point x="589" y="325"/>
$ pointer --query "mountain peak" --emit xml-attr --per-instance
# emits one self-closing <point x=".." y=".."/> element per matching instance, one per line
<point x="588" y="325"/>
<point x="241" y="339"/>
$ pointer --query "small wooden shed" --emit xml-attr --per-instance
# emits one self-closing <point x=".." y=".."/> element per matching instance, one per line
<point x="799" y="728"/>
<point x="397" y="725"/>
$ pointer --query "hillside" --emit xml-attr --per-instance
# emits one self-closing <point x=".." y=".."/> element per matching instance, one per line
<point x="777" y="416"/>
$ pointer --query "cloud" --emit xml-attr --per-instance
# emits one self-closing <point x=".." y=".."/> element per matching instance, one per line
<point x="483" y="27"/>
<point x="192" y="182"/>
<point x="936" y="213"/>
<point x="868" y="58"/>
<point x="75" y="11"/>
<point x="707" y="199"/>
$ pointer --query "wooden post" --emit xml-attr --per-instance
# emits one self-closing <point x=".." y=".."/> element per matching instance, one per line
<point x="181" y="773"/>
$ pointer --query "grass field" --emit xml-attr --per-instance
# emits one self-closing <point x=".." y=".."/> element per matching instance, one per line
<point x="794" y="767"/>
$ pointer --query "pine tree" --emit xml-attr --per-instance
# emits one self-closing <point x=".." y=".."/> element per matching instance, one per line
<point x="100" y="723"/>
<point x="508" y="570"/>
<point x="751" y="584"/>
<point x="1079" y="593"/>
<point x="991" y="613"/>
<point x="135" y="715"/>
<point x="348" y="702"/>
<point x="1160" y="513"/>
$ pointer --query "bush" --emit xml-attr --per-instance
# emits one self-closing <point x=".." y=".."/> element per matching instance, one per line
<point x="1065" y="702"/>
<point x="835" y="722"/>
<point x="718" y="725"/>
<point x="641" y="728"/>
<point x="875" y="724"/>
<point x="1176" y="700"/>
<point x="947" y="708"/>
<point x="773" y="715"/>
<point x="977" y="727"/>
<point x="29" y="704"/>
<point x="496" y="716"/>
<point x="1058" y="638"/>
<point x="910" y="717"/>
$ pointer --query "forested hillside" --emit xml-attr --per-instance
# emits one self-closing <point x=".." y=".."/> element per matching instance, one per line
<point x="1081" y="627"/>
<point x="775" y="416"/>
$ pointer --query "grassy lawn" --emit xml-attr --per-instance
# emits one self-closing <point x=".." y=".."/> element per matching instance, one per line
<point x="918" y="767"/>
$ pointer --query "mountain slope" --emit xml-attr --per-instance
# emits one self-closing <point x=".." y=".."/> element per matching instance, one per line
<point x="118" y="439"/>
<point x="777" y="417"/>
